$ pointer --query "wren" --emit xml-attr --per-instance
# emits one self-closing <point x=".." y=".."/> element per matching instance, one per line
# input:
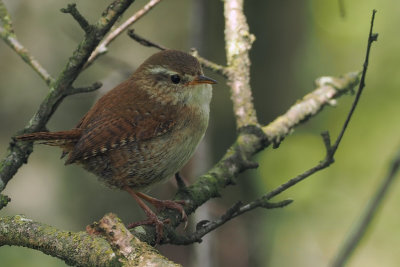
<point x="143" y="131"/>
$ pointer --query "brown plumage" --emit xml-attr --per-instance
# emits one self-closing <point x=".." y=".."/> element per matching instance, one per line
<point x="144" y="130"/>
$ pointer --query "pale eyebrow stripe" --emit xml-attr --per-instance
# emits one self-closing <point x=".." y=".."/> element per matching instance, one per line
<point x="161" y="70"/>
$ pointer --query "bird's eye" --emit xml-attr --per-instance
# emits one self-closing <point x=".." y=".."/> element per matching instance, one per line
<point x="175" y="78"/>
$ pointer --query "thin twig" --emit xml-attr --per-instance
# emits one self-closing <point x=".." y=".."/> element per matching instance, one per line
<point x="204" y="227"/>
<point x="102" y="47"/>
<point x="219" y="69"/>
<point x="145" y="42"/>
<point x="9" y="37"/>
<point x="371" y="38"/>
<point x="86" y="89"/>
<point x="71" y="9"/>
<point x="370" y="211"/>
<point x="331" y="150"/>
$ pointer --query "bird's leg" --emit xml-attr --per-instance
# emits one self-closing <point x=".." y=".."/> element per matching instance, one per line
<point x="162" y="204"/>
<point x="151" y="216"/>
<point x="180" y="181"/>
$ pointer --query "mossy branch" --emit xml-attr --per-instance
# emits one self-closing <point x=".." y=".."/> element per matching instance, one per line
<point x="106" y="243"/>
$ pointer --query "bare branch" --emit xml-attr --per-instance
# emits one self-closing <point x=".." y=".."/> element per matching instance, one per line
<point x="238" y="42"/>
<point x="204" y="227"/>
<point x="9" y="37"/>
<point x="145" y="42"/>
<point x="328" y="88"/>
<point x="102" y="47"/>
<point x="219" y="69"/>
<point x="87" y="89"/>
<point x="71" y="9"/>
<point x="371" y="38"/>
<point x="355" y="237"/>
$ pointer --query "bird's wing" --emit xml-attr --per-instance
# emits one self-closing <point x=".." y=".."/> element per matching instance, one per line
<point x="117" y="119"/>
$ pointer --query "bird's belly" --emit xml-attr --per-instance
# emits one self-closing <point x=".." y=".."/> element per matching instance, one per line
<point x="142" y="164"/>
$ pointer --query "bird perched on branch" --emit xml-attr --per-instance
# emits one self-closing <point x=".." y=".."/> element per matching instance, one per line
<point x="143" y="131"/>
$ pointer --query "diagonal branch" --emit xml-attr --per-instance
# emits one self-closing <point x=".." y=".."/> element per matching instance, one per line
<point x="145" y="42"/>
<point x="10" y="38"/>
<point x="204" y="227"/>
<point x="328" y="88"/>
<point x="102" y="47"/>
<point x="372" y="37"/>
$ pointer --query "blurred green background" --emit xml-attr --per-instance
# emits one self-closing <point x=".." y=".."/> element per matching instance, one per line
<point x="297" y="41"/>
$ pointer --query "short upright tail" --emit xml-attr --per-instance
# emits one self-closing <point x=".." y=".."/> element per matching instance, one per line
<point x="53" y="138"/>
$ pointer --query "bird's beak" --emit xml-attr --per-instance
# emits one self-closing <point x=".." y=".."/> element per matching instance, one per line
<point x="199" y="79"/>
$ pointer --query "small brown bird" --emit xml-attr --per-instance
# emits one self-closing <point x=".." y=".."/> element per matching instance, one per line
<point x="143" y="131"/>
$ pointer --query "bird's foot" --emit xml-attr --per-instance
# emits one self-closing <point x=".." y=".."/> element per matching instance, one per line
<point x="166" y="204"/>
<point x="152" y="219"/>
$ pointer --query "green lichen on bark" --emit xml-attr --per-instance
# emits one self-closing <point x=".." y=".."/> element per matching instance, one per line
<point x="74" y="248"/>
<point x="4" y="200"/>
<point x="81" y="248"/>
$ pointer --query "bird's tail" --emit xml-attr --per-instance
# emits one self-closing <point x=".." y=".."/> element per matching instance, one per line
<point x="53" y="138"/>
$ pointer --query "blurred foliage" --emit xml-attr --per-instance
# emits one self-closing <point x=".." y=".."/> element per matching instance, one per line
<point x="297" y="41"/>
